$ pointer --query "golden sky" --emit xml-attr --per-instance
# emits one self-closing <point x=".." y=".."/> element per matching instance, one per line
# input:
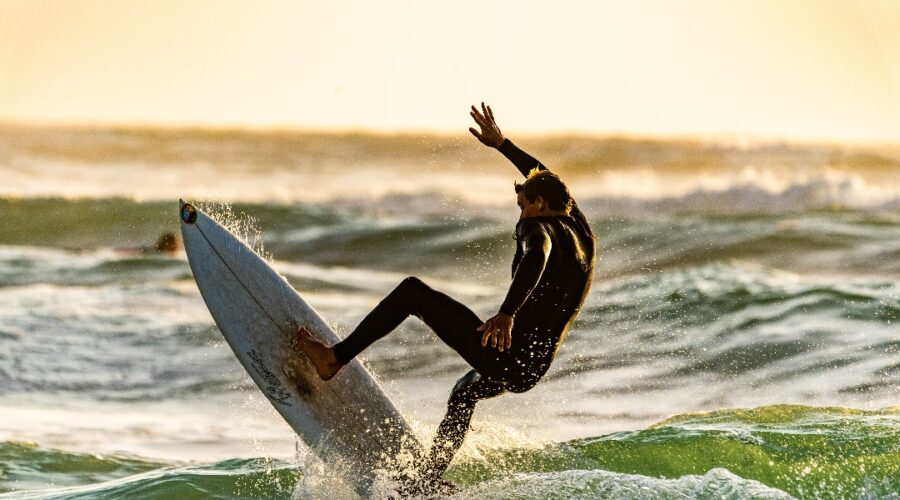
<point x="810" y="69"/>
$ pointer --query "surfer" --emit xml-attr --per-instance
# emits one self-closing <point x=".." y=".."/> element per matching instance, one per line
<point x="168" y="243"/>
<point x="552" y="271"/>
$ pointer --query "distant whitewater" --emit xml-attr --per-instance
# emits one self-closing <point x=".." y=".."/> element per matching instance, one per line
<point x="740" y="341"/>
<point x="434" y="173"/>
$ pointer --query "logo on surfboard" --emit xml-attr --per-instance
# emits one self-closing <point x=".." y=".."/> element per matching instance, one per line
<point x="271" y="385"/>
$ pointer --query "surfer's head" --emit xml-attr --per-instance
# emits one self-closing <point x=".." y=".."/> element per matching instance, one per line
<point x="167" y="243"/>
<point x="543" y="193"/>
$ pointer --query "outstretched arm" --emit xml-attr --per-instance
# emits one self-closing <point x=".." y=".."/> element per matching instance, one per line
<point x="491" y="136"/>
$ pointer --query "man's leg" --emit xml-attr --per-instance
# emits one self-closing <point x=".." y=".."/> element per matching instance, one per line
<point x="452" y="321"/>
<point x="468" y="390"/>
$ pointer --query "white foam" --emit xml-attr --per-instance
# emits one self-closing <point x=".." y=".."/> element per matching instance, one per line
<point x="591" y="484"/>
<point x="384" y="188"/>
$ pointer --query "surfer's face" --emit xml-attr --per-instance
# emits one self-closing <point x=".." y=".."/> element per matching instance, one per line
<point x="530" y="208"/>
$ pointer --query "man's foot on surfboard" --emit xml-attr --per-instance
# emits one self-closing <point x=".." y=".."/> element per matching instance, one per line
<point x="320" y="355"/>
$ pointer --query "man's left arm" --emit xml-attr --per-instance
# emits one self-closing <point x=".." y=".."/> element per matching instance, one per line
<point x="537" y="245"/>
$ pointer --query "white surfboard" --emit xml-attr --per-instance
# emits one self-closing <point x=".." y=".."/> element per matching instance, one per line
<point x="348" y="421"/>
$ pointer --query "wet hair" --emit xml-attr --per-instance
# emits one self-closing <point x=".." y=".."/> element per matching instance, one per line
<point x="167" y="242"/>
<point x="547" y="185"/>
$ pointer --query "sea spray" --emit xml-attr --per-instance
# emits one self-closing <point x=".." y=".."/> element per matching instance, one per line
<point x="241" y="224"/>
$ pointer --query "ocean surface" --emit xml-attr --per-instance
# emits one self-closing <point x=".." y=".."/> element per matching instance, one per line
<point x="741" y="339"/>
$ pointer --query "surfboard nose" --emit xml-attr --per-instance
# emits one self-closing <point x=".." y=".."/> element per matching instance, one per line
<point x="188" y="212"/>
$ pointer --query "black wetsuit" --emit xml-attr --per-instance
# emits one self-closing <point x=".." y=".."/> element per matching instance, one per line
<point x="552" y="272"/>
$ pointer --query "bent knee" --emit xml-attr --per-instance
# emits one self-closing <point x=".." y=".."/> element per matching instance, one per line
<point x="463" y="393"/>
<point x="466" y="381"/>
<point x="408" y="290"/>
<point x="472" y="388"/>
<point x="412" y="282"/>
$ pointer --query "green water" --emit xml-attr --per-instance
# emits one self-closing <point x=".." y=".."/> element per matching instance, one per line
<point x="803" y="451"/>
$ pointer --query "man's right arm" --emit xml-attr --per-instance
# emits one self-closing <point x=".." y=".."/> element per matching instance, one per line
<point x="522" y="160"/>
<point x="491" y="136"/>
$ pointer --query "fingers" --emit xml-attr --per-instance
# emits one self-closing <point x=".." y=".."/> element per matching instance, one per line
<point x="479" y="117"/>
<point x="498" y="336"/>
<point x="504" y="339"/>
<point x="480" y="120"/>
<point x="476" y="134"/>
<point x="489" y="335"/>
<point x="487" y="114"/>
<point x="484" y="116"/>
<point x="486" y="328"/>
<point x="498" y="339"/>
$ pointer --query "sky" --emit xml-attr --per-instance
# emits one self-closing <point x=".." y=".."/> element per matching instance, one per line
<point x="817" y="70"/>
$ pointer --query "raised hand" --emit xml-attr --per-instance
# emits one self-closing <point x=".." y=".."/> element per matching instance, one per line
<point x="490" y="134"/>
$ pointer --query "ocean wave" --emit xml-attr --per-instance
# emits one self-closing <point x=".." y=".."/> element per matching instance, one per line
<point x="765" y="452"/>
<point x="738" y="296"/>
<point x="804" y="451"/>
<point x="593" y="484"/>
<point x="24" y="265"/>
<point x="427" y="175"/>
<point x="757" y="301"/>
<point x="744" y="333"/>
<point x="629" y="195"/>
<point x="109" y="233"/>
<point x="82" y="476"/>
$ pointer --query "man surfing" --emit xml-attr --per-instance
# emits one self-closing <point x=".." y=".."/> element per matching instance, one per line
<point x="552" y="272"/>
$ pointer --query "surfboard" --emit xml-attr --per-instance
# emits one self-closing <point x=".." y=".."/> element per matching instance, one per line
<point x="349" y="421"/>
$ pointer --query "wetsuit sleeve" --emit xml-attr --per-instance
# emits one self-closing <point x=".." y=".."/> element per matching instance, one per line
<point x="525" y="162"/>
<point x="522" y="160"/>
<point x="537" y="245"/>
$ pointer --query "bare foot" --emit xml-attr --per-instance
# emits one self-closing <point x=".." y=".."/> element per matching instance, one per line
<point x="320" y="355"/>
